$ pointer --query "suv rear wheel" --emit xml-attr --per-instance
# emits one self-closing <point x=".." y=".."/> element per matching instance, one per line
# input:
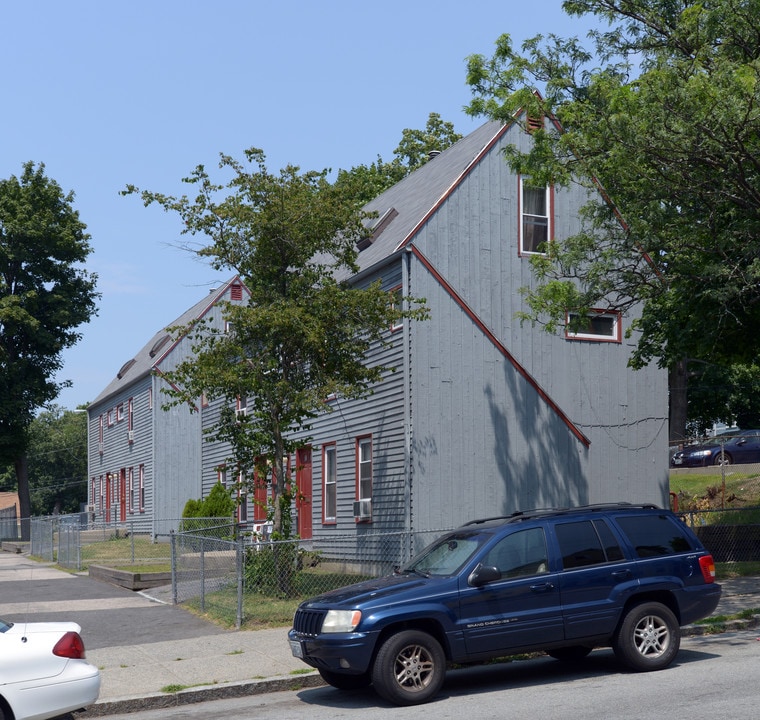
<point x="648" y="637"/>
<point x="409" y="668"/>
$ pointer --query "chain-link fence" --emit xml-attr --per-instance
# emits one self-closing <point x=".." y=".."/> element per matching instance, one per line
<point x="76" y="543"/>
<point x="237" y="574"/>
<point x="245" y="578"/>
<point x="732" y="535"/>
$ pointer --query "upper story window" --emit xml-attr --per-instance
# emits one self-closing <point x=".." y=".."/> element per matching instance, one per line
<point x="535" y="218"/>
<point x="598" y="325"/>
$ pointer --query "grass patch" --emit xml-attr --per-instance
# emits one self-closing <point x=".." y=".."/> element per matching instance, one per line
<point x="727" y="571"/>
<point x="262" y="611"/>
<point x="119" y="551"/>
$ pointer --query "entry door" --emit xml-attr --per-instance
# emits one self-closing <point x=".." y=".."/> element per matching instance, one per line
<point x="303" y="499"/>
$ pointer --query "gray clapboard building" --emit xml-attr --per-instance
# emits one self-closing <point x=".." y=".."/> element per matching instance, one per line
<point x="482" y="416"/>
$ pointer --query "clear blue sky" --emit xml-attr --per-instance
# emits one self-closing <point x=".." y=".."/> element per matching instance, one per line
<point x="107" y="93"/>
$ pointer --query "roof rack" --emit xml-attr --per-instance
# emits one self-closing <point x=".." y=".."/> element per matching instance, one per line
<point x="521" y="515"/>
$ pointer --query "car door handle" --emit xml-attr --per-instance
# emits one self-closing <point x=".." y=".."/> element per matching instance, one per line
<point x="622" y="574"/>
<point x="542" y="587"/>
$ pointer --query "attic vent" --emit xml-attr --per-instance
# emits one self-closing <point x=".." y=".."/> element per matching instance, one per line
<point x="236" y="292"/>
<point x="534" y="123"/>
<point x="385" y="219"/>
<point x="159" y="344"/>
<point x="124" y="368"/>
<point x="433" y="153"/>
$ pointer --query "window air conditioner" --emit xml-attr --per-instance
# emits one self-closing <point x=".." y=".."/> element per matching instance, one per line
<point x="131" y="435"/>
<point x="362" y="509"/>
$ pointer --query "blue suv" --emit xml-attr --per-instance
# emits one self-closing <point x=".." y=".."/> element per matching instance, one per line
<point x="563" y="581"/>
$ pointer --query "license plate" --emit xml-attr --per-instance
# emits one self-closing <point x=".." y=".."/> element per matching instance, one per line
<point x="296" y="648"/>
<point x="677" y="461"/>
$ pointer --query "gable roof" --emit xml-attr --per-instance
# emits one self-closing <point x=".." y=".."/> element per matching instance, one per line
<point x="403" y="208"/>
<point x="151" y="355"/>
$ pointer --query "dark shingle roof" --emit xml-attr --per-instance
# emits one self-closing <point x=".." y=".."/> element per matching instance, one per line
<point x="420" y="192"/>
<point x="154" y="351"/>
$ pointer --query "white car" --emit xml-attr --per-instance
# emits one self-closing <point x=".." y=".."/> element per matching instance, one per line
<point x="43" y="671"/>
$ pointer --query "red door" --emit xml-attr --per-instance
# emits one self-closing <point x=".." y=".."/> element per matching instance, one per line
<point x="303" y="498"/>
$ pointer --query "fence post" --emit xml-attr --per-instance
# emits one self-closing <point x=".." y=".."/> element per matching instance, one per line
<point x="132" y="538"/>
<point x="203" y="573"/>
<point x="172" y="542"/>
<point x="239" y="564"/>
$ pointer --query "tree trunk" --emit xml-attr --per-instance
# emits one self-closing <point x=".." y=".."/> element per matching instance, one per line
<point x="678" y="387"/>
<point x="24" y="499"/>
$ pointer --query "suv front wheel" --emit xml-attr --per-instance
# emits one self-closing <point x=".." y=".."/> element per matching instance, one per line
<point x="648" y="637"/>
<point x="409" y="668"/>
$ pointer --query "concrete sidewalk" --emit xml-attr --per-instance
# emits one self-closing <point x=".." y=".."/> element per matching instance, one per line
<point x="174" y="650"/>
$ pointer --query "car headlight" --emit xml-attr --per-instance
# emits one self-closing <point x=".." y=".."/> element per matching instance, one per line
<point x="337" y="621"/>
<point x="701" y="453"/>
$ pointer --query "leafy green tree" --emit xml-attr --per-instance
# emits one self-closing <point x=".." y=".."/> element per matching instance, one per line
<point x="45" y="295"/>
<point x="660" y="112"/>
<point x="366" y="182"/>
<point x="57" y="461"/>
<point x="305" y="332"/>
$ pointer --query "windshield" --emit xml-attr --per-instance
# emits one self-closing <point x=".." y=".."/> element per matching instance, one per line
<point x="447" y="554"/>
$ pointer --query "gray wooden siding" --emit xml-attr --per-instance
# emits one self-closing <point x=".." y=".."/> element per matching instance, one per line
<point x="118" y="453"/>
<point x="498" y="434"/>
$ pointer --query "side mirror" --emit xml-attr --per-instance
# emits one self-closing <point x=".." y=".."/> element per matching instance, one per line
<point x="484" y="574"/>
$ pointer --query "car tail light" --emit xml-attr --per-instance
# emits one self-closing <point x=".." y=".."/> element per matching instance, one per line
<point x="71" y="646"/>
<point x="707" y="565"/>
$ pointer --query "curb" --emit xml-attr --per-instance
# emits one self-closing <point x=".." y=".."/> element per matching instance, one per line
<point x="721" y="627"/>
<point x="158" y="701"/>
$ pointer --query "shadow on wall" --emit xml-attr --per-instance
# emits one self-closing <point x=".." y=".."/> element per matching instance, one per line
<point x="537" y="456"/>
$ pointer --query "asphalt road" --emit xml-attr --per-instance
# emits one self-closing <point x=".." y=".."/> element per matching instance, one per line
<point x="714" y="677"/>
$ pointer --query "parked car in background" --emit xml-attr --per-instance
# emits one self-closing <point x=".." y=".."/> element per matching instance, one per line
<point x="563" y="581"/>
<point x="43" y="671"/>
<point x="743" y="447"/>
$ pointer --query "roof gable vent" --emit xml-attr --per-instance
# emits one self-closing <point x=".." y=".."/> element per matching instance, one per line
<point x="125" y="368"/>
<point x="159" y="344"/>
<point x="383" y="221"/>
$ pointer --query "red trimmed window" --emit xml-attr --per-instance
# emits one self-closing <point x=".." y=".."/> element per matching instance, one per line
<point x="363" y="510"/>
<point x="536" y="206"/>
<point x="329" y="483"/>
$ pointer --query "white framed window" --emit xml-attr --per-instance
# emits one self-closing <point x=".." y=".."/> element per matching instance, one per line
<point x="241" y="406"/>
<point x="535" y="218"/>
<point x="329" y="483"/>
<point x="364" y="468"/>
<point x="598" y="326"/>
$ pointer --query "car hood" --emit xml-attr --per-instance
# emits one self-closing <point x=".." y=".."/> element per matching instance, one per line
<point x="697" y="448"/>
<point x="374" y="589"/>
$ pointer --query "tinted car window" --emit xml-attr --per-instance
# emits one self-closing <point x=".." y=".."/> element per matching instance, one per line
<point x="579" y="544"/>
<point x="654" y="535"/>
<point x="519" y="554"/>
<point x="611" y="548"/>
